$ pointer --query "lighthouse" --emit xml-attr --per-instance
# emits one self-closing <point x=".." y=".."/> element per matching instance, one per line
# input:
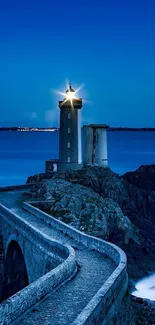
<point x="70" y="149"/>
<point x="74" y="153"/>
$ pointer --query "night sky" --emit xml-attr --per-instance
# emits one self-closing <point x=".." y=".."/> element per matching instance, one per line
<point x="107" y="45"/>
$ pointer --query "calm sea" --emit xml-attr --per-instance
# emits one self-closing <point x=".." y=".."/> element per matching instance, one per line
<point x="24" y="153"/>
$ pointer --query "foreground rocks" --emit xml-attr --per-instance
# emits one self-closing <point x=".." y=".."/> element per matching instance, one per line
<point x="84" y="209"/>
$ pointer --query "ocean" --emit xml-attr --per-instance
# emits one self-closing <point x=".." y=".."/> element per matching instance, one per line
<point x="24" y="153"/>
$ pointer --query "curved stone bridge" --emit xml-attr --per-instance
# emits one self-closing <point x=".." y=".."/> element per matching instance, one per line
<point x="71" y="278"/>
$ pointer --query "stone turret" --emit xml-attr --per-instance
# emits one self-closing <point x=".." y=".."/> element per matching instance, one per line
<point x="95" y="144"/>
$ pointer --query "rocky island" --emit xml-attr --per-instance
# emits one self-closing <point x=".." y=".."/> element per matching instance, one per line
<point x="116" y="208"/>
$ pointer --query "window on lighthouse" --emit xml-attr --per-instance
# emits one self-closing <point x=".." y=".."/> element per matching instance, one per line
<point x="68" y="145"/>
<point x="69" y="130"/>
<point x="69" y="159"/>
<point x="69" y="116"/>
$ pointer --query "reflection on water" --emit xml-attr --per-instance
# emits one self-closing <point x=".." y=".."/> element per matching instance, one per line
<point x="145" y="288"/>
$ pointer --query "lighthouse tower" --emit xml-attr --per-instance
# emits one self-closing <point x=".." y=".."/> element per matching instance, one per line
<point x="70" y="149"/>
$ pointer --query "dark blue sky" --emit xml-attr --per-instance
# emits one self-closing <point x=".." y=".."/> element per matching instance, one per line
<point x="107" y="45"/>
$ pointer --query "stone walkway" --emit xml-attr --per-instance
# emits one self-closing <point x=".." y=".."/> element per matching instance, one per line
<point x="64" y="305"/>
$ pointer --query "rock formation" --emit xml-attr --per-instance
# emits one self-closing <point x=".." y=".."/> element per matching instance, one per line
<point x="100" y="202"/>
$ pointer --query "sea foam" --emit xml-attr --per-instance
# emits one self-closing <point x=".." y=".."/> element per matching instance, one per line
<point x="145" y="288"/>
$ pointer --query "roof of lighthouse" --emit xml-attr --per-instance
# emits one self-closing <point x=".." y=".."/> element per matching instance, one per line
<point x="70" y="99"/>
<point x="70" y="89"/>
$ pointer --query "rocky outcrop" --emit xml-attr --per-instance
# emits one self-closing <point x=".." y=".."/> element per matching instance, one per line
<point x="39" y="177"/>
<point x="143" y="177"/>
<point x="100" y="202"/>
<point x="83" y="209"/>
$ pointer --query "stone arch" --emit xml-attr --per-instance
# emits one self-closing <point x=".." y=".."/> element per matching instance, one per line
<point x="15" y="271"/>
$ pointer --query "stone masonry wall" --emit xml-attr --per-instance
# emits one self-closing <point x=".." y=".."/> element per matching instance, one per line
<point x="106" y="302"/>
<point x="29" y="238"/>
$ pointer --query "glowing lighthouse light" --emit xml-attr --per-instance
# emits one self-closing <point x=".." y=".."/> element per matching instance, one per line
<point x="69" y="95"/>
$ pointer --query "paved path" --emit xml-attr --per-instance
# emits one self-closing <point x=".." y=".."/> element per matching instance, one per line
<point x="63" y="306"/>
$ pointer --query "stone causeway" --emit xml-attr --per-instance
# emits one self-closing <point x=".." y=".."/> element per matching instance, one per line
<point x="73" y="278"/>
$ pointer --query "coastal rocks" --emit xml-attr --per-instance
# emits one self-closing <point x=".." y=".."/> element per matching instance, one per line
<point x="126" y="314"/>
<point x="106" y="205"/>
<point x="143" y="177"/>
<point x="144" y="311"/>
<point x="84" y="209"/>
<point x="39" y="177"/>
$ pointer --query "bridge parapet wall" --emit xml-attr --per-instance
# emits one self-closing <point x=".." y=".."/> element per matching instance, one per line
<point x="16" y="305"/>
<point x="107" y="300"/>
<point x="32" y="234"/>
